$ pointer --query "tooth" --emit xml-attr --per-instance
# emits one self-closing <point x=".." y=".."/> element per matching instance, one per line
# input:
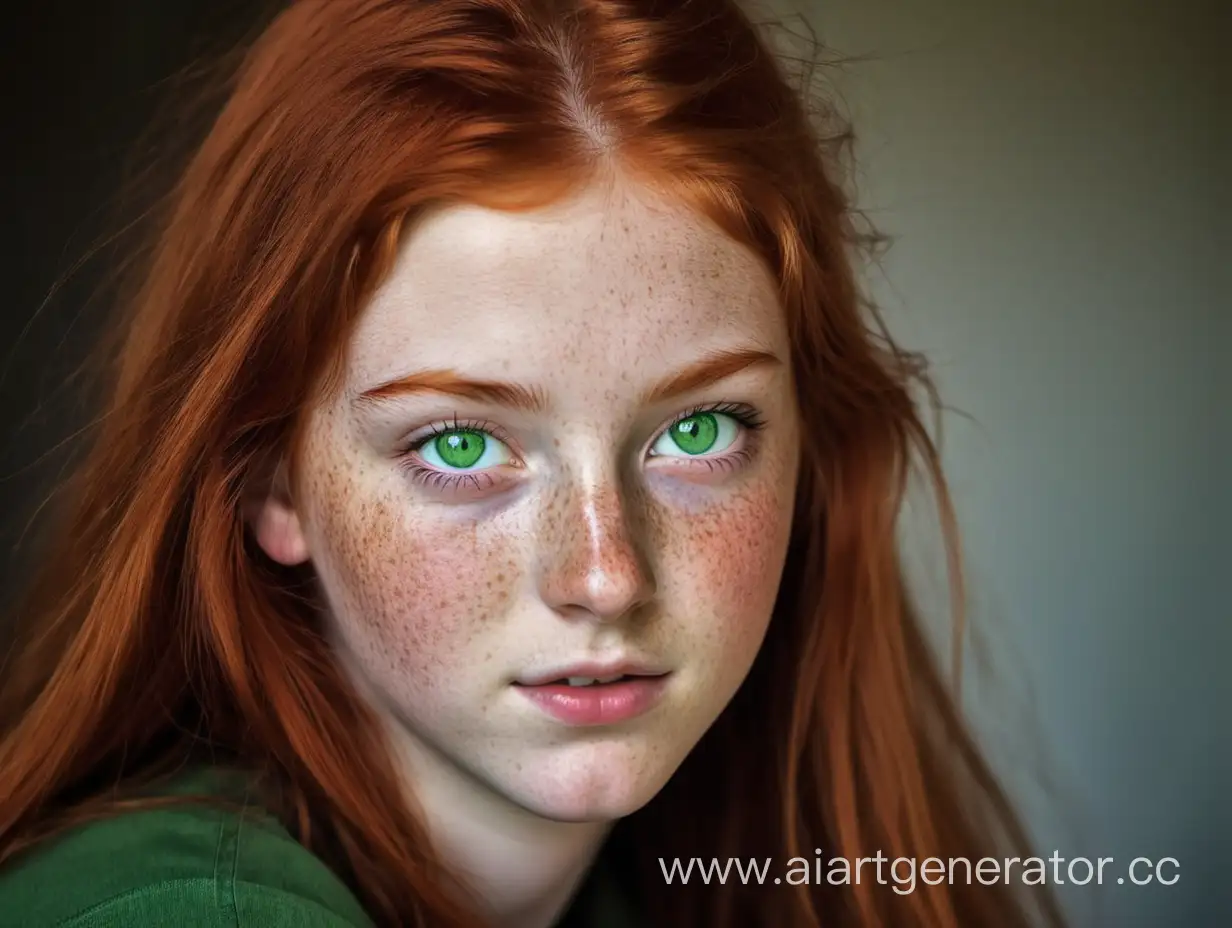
<point x="610" y="679"/>
<point x="581" y="681"/>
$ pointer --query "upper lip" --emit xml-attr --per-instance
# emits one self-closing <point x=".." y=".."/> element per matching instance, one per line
<point x="592" y="670"/>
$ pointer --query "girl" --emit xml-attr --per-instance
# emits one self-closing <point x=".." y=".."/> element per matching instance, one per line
<point x="494" y="509"/>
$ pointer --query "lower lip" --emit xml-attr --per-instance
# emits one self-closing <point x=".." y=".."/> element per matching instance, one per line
<point x="599" y="704"/>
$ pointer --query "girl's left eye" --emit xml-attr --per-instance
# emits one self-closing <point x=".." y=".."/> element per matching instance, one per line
<point x="463" y="451"/>
<point x="698" y="435"/>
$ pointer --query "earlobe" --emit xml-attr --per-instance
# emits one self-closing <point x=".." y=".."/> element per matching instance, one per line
<point x="277" y="529"/>
<point x="276" y="525"/>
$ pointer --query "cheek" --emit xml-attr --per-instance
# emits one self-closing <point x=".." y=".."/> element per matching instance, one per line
<point x="726" y="564"/>
<point x="411" y="595"/>
<point x="744" y="555"/>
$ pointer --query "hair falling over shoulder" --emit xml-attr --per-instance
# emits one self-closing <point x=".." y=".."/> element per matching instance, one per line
<point x="156" y="630"/>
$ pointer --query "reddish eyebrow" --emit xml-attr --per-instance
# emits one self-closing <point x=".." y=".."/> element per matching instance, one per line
<point x="444" y="381"/>
<point x="711" y="369"/>
<point x="703" y="373"/>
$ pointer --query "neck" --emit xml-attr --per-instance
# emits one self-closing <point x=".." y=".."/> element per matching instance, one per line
<point x="524" y="869"/>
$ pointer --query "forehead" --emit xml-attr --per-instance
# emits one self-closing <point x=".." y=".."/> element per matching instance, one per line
<point x="608" y="279"/>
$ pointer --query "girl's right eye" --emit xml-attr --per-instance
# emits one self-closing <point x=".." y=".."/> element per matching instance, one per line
<point x="458" y="456"/>
<point x="463" y="450"/>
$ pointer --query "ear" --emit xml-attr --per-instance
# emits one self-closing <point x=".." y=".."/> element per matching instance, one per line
<point x="276" y="524"/>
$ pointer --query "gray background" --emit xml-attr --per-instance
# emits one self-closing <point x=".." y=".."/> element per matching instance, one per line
<point x="1056" y="180"/>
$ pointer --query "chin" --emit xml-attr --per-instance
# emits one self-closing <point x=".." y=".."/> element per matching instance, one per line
<point x="591" y="782"/>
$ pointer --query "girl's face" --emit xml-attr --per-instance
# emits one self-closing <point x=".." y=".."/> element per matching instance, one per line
<point x="566" y="448"/>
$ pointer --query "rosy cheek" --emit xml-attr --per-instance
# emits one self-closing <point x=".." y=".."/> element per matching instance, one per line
<point x="743" y="554"/>
<point x="723" y="562"/>
<point x="410" y="591"/>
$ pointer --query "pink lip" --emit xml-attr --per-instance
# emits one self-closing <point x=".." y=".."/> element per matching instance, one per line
<point x="598" y="704"/>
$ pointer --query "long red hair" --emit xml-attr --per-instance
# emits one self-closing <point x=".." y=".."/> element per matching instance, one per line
<point x="157" y="629"/>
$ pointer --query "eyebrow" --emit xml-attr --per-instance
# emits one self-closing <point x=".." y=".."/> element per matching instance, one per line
<point x="716" y="366"/>
<point x="711" y="369"/>
<point x="513" y="395"/>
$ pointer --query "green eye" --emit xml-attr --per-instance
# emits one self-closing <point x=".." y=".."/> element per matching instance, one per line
<point x="698" y="434"/>
<point x="463" y="449"/>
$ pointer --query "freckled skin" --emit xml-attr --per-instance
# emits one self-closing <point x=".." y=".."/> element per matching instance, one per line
<point x="586" y="546"/>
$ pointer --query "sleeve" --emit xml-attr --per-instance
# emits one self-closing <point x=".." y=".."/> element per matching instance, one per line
<point x="207" y="903"/>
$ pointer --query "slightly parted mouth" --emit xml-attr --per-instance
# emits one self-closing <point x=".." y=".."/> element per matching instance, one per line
<point x="579" y="676"/>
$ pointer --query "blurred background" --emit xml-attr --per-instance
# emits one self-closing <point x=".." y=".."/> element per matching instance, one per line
<point x="1055" y="178"/>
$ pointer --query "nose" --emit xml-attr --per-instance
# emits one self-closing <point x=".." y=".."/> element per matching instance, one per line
<point x="592" y="563"/>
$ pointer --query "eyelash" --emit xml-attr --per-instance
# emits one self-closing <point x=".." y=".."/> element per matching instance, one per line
<point x="746" y="415"/>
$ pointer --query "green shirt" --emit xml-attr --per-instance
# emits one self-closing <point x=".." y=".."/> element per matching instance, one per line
<point x="199" y="866"/>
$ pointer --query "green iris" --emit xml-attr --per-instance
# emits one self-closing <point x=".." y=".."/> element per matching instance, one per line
<point x="460" y="448"/>
<point x="696" y="434"/>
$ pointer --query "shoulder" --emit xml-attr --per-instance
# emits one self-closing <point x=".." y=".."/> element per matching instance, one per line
<point x="188" y="864"/>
